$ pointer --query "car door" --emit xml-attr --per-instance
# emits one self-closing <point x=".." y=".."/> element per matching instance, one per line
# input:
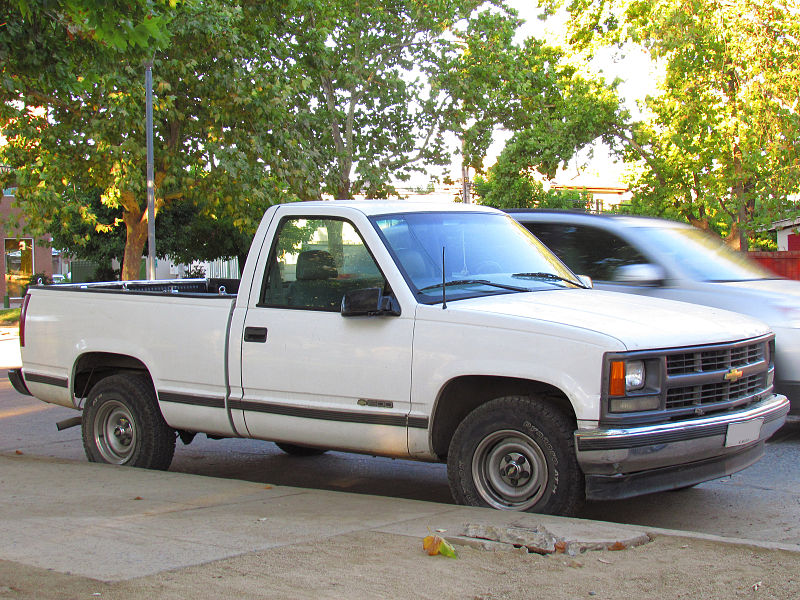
<point x="309" y="375"/>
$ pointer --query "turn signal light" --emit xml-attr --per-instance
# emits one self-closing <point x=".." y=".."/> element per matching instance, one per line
<point x="616" y="385"/>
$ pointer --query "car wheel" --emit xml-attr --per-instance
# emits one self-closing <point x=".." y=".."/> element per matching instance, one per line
<point x="516" y="453"/>
<point x="122" y="424"/>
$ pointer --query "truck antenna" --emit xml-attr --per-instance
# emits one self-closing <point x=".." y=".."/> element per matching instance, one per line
<point x="444" y="283"/>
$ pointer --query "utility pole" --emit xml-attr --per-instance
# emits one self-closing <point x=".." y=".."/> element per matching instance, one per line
<point x="151" y="192"/>
<point x="465" y="195"/>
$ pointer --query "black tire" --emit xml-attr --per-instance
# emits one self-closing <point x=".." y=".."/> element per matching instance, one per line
<point x="123" y="425"/>
<point x="516" y="453"/>
<point x="296" y="450"/>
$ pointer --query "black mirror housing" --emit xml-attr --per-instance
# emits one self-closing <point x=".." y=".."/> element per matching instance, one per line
<point x="369" y="302"/>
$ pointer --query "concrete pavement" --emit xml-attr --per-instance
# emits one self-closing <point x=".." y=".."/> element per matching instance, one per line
<point x="71" y="529"/>
<point x="114" y="523"/>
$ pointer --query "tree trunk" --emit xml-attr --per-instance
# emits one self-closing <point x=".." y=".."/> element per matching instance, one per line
<point x="136" y="229"/>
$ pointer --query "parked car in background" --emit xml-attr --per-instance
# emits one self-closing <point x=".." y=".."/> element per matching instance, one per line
<point x="665" y="259"/>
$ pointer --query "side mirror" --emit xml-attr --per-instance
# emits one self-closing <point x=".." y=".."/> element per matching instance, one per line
<point x="641" y="274"/>
<point x="368" y="302"/>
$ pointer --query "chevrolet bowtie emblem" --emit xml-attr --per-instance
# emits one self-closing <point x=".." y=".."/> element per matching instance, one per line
<point x="734" y="375"/>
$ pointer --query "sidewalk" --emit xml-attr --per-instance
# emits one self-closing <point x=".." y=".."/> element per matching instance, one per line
<point x="79" y="530"/>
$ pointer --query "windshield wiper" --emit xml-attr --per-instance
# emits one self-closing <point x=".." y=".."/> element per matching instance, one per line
<point x="550" y="276"/>
<point x="474" y="282"/>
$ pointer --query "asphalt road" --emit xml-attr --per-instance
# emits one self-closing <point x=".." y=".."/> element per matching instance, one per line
<point x="761" y="502"/>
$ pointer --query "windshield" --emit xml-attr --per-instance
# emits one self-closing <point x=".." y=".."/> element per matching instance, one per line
<point x="704" y="257"/>
<point x="484" y="253"/>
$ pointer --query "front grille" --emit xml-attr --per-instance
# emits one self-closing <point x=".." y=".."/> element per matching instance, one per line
<point x="715" y="360"/>
<point x="713" y="393"/>
<point x="703" y="380"/>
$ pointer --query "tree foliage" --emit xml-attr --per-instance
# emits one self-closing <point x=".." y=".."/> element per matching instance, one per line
<point x="225" y="137"/>
<point x="553" y="112"/>
<point x="258" y="103"/>
<point x="722" y="149"/>
<point x="389" y="81"/>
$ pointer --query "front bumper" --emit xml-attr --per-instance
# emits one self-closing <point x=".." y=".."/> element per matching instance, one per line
<point x="621" y="463"/>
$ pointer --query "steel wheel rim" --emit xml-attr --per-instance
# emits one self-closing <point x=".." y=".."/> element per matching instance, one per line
<point x="114" y="432"/>
<point x="510" y="470"/>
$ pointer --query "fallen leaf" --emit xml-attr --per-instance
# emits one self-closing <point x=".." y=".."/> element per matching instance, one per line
<point x="19" y="452"/>
<point x="138" y="498"/>
<point x="440" y="530"/>
<point x="433" y="544"/>
<point x="267" y="487"/>
<point x="561" y="547"/>
<point x="617" y="546"/>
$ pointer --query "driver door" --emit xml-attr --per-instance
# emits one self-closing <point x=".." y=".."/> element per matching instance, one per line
<point x="309" y="375"/>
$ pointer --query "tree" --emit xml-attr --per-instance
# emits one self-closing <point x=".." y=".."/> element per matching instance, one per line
<point x="225" y="136"/>
<point x="722" y="149"/>
<point x="388" y="83"/>
<point x="553" y="112"/>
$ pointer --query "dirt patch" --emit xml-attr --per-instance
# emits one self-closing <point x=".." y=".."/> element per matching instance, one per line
<point x="376" y="565"/>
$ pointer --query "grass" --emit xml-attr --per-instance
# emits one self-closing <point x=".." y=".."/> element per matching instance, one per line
<point x="9" y="317"/>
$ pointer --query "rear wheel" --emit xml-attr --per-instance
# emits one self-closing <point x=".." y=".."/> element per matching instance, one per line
<point x="122" y="424"/>
<point x="296" y="450"/>
<point x="516" y="453"/>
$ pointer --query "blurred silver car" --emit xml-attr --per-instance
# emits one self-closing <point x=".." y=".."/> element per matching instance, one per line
<point x="664" y="259"/>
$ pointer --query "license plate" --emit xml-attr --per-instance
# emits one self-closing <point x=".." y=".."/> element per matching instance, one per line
<point x="743" y="433"/>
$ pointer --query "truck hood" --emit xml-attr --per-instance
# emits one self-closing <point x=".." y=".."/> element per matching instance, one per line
<point x="638" y="322"/>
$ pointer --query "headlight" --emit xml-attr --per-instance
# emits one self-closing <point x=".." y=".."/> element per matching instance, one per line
<point x="633" y="383"/>
<point x="634" y="375"/>
<point x="626" y="376"/>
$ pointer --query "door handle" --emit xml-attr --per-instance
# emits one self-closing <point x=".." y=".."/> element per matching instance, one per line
<point x="255" y="334"/>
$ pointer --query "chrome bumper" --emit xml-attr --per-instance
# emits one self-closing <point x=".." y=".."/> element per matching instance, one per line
<point x="620" y="463"/>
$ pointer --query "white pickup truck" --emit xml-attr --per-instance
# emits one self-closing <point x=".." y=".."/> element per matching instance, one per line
<point x="424" y="331"/>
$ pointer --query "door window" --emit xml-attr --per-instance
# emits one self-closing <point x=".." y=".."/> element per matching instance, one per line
<point x="587" y="250"/>
<point x="314" y="262"/>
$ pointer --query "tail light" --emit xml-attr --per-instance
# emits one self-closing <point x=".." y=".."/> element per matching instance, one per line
<point x="22" y="314"/>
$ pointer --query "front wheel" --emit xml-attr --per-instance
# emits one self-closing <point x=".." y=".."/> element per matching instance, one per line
<point x="122" y="424"/>
<point x="516" y="453"/>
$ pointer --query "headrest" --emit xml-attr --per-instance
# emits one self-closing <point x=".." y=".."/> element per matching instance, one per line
<point x="315" y="264"/>
<point x="412" y="262"/>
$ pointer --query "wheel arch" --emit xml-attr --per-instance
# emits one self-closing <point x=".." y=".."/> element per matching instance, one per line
<point x="92" y="367"/>
<point x="461" y="395"/>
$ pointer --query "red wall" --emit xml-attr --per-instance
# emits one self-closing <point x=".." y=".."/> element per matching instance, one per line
<point x="786" y="264"/>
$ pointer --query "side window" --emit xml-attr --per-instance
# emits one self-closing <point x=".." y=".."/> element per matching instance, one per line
<point x="314" y="262"/>
<point x="587" y="250"/>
